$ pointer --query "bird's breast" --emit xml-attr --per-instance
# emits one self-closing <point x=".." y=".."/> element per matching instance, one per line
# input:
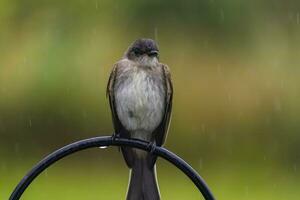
<point x="140" y="99"/>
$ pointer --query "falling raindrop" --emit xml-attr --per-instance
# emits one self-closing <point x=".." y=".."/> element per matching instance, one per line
<point x="155" y="34"/>
<point x="84" y="114"/>
<point x="267" y="120"/>
<point x="1" y="126"/>
<point x="277" y="104"/>
<point x="298" y="18"/>
<point x="200" y="163"/>
<point x="229" y="97"/>
<point x="3" y="166"/>
<point x="30" y="123"/>
<point x="3" y="89"/>
<point x="282" y="84"/>
<point x="97" y="4"/>
<point x="247" y="190"/>
<point x="213" y="136"/>
<point x="45" y="76"/>
<point x="219" y="70"/>
<point x="290" y="16"/>
<point x="203" y="128"/>
<point x="17" y="148"/>
<point x="222" y="14"/>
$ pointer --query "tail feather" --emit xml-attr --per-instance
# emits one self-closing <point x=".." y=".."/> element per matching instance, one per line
<point x="143" y="183"/>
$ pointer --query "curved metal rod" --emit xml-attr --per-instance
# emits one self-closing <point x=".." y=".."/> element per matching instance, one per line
<point x="110" y="141"/>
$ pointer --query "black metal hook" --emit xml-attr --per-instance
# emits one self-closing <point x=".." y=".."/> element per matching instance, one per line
<point x="110" y="141"/>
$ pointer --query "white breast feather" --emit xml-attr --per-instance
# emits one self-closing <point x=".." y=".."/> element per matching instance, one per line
<point x="140" y="102"/>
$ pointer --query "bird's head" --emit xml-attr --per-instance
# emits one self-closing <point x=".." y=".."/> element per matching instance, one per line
<point x="143" y="51"/>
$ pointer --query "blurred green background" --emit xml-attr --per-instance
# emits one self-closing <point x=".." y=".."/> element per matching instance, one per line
<point x="235" y="67"/>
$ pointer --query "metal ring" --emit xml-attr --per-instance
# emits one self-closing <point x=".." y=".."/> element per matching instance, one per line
<point x="111" y="141"/>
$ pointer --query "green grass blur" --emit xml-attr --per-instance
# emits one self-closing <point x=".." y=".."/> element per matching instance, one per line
<point x="235" y="69"/>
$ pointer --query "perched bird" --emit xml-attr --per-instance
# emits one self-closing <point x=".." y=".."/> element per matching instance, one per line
<point x="140" y="95"/>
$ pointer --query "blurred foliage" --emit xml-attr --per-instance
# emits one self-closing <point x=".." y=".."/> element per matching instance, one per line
<point x="236" y="102"/>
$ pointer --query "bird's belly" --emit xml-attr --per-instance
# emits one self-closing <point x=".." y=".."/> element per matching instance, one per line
<point x="140" y="103"/>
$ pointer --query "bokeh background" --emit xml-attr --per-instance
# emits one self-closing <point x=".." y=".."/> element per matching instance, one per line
<point x="235" y="67"/>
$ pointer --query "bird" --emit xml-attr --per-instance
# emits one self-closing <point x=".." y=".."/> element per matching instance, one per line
<point x="140" y="93"/>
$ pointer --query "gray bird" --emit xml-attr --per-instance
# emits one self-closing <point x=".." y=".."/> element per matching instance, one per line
<point x="140" y="95"/>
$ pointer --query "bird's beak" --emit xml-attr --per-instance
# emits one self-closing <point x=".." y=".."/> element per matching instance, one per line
<point x="152" y="53"/>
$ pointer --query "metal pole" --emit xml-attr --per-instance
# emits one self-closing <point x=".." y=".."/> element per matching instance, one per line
<point x="110" y="141"/>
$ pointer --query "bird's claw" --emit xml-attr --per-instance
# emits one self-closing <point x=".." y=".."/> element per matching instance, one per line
<point x="113" y="137"/>
<point x="151" y="146"/>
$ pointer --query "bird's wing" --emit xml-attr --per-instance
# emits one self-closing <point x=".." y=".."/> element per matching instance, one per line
<point x="162" y="130"/>
<point x="110" y="94"/>
<point x="119" y="128"/>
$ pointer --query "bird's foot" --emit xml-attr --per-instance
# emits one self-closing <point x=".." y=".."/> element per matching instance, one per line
<point x="151" y="146"/>
<point x="114" y="136"/>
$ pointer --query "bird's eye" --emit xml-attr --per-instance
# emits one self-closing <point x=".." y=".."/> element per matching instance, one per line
<point x="137" y="52"/>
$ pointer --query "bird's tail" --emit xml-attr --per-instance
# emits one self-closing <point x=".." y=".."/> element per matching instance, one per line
<point x="143" y="183"/>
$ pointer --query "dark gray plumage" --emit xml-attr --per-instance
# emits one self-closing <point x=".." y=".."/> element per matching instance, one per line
<point x="140" y="95"/>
